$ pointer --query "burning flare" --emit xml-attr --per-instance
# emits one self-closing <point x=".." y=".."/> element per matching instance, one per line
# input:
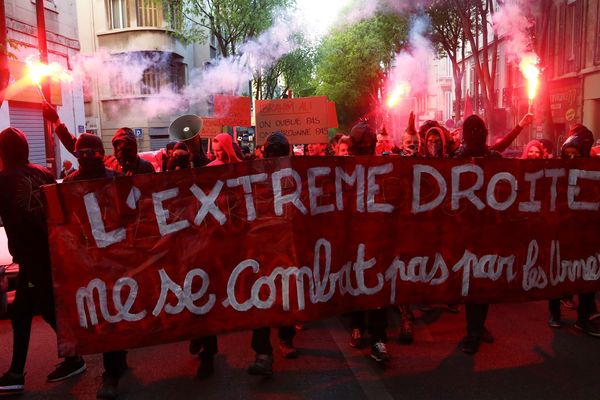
<point x="531" y="72"/>
<point x="37" y="71"/>
<point x="400" y="90"/>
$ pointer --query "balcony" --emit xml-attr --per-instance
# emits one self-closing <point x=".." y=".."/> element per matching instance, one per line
<point x="140" y="39"/>
<point x="445" y="83"/>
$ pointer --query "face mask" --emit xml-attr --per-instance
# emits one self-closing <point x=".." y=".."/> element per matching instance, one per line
<point x="91" y="164"/>
<point x="435" y="149"/>
<point x="411" y="150"/>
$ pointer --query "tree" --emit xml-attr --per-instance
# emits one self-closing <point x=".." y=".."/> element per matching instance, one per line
<point x="231" y="22"/>
<point x="448" y="35"/>
<point x="294" y="71"/>
<point x="352" y="60"/>
<point x="475" y="17"/>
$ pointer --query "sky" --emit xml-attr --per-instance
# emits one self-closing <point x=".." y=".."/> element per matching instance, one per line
<point x="320" y="15"/>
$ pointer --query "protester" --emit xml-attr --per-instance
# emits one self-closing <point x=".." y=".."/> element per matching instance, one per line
<point x="578" y="145"/>
<point x="276" y="145"/>
<point x="343" y="146"/>
<point x="168" y="153"/>
<point x="23" y="215"/>
<point x="384" y="144"/>
<point x="534" y="150"/>
<point x="66" y="169"/>
<point x="125" y="151"/>
<point x="332" y="147"/>
<point x="315" y="149"/>
<point x="90" y="156"/>
<point x="180" y="158"/>
<point x="435" y="143"/>
<point x="474" y="145"/>
<point x="222" y="146"/>
<point x="363" y="143"/>
<point x="410" y="139"/>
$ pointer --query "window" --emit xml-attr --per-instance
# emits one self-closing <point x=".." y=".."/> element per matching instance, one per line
<point x="148" y="13"/>
<point x="117" y="14"/>
<point x="570" y="32"/>
<point x="151" y="81"/>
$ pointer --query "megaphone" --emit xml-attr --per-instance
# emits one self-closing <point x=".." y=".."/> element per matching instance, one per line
<point x="185" y="127"/>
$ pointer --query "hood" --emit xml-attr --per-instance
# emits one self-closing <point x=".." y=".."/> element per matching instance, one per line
<point x="226" y="143"/>
<point x="475" y="134"/>
<point x="442" y="135"/>
<point x="580" y="138"/>
<point x="363" y="140"/>
<point x="277" y="145"/>
<point x="14" y="148"/>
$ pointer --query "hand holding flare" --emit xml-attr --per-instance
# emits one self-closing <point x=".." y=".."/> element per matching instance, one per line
<point x="37" y="71"/>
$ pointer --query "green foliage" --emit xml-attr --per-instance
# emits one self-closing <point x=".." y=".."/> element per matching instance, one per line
<point x="352" y="60"/>
<point x="231" y="22"/>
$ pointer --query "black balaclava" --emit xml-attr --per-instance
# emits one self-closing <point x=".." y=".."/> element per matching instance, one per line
<point x="90" y="167"/>
<point x="127" y="157"/>
<point x="580" y="138"/>
<point x="14" y="148"/>
<point x="475" y="134"/>
<point x="364" y="140"/>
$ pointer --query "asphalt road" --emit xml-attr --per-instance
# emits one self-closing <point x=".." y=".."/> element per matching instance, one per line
<point x="528" y="361"/>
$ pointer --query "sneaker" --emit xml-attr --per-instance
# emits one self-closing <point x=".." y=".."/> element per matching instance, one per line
<point x="356" y="339"/>
<point x="194" y="347"/>
<point x="287" y="349"/>
<point x="568" y="303"/>
<point x="11" y="383"/>
<point x="470" y="344"/>
<point x="486" y="336"/>
<point x="299" y="327"/>
<point x="70" y="367"/>
<point x="263" y="365"/>
<point x="206" y="367"/>
<point x="452" y="308"/>
<point x="588" y="327"/>
<point x="379" y="352"/>
<point x="554" y="322"/>
<point x="406" y="330"/>
<point x="109" y="387"/>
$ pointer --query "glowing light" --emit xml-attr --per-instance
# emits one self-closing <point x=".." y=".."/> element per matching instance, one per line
<point x="37" y="71"/>
<point x="531" y="72"/>
<point x="400" y="90"/>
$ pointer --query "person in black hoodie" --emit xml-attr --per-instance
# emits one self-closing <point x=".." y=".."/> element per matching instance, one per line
<point x="125" y="151"/>
<point x="89" y="151"/>
<point x="276" y="145"/>
<point x="23" y="215"/>
<point x="578" y="145"/>
<point x="474" y="145"/>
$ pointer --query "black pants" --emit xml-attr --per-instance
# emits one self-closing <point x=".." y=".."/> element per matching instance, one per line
<point x="586" y="307"/>
<point x="208" y="345"/>
<point x="115" y="362"/>
<point x="376" y="323"/>
<point x="28" y="301"/>
<point x="476" y="314"/>
<point x="261" y="338"/>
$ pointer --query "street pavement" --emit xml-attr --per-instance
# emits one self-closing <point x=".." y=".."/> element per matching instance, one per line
<point x="529" y="360"/>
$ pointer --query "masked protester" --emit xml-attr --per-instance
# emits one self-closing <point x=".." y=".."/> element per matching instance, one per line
<point x="435" y="143"/>
<point x="125" y="151"/>
<point x="474" y="145"/>
<point x="89" y="151"/>
<point x="363" y="144"/>
<point x="23" y="215"/>
<point x="167" y="154"/>
<point x="578" y="145"/>
<point x="180" y="158"/>
<point x="384" y="144"/>
<point x="276" y="145"/>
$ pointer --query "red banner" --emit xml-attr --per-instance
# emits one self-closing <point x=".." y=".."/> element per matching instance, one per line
<point x="155" y="258"/>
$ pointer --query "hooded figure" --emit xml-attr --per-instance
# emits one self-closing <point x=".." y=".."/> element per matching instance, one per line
<point x="578" y="144"/>
<point x="364" y="140"/>
<point x="180" y="158"/>
<point x="89" y="151"/>
<point x="277" y="145"/>
<point x="223" y="149"/>
<point x="474" y="140"/>
<point x="435" y="143"/>
<point x="125" y="151"/>
<point x="14" y="148"/>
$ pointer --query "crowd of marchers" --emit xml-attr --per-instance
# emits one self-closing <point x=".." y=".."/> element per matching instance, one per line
<point x="23" y="213"/>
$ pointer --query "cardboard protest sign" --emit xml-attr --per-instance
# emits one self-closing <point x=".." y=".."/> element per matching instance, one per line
<point x="303" y="120"/>
<point x="332" y="115"/>
<point x="211" y="127"/>
<point x="156" y="258"/>
<point x="233" y="110"/>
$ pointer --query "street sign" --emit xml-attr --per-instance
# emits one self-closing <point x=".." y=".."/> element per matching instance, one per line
<point x="139" y="132"/>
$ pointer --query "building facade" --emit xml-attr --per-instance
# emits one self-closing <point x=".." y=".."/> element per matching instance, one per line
<point x="136" y="32"/>
<point x="22" y="107"/>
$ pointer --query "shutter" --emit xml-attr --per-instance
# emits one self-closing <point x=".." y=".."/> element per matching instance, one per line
<point x="159" y="138"/>
<point x="578" y="42"/>
<point x="28" y="118"/>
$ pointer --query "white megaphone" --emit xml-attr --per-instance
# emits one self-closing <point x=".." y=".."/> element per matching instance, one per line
<point x="185" y="127"/>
